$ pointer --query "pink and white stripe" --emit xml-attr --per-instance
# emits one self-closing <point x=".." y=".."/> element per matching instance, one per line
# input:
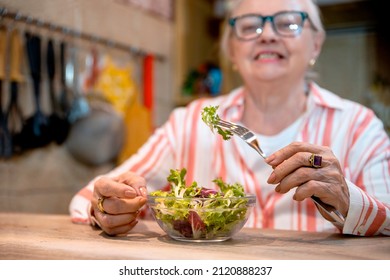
<point x="353" y="132"/>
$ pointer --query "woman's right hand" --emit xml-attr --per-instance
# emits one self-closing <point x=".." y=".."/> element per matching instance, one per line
<point x="117" y="200"/>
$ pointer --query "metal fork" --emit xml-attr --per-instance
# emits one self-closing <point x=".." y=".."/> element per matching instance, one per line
<point x="244" y="133"/>
<point x="250" y="138"/>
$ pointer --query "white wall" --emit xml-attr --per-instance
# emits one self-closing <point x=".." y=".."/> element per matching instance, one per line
<point x="347" y="63"/>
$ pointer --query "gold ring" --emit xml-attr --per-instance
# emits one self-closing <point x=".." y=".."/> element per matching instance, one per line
<point x="100" y="204"/>
<point x="315" y="160"/>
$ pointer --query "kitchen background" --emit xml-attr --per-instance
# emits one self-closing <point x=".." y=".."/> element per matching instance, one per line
<point x="74" y="74"/>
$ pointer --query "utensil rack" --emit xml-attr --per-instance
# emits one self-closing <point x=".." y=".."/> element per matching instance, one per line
<point x="19" y="17"/>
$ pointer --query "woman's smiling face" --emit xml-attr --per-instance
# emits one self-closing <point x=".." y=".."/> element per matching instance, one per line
<point x="272" y="57"/>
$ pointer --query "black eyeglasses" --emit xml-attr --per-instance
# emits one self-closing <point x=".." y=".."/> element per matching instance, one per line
<point x="286" y="24"/>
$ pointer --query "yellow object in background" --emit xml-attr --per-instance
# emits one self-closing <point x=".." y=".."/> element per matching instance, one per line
<point x="138" y="129"/>
<point x="116" y="85"/>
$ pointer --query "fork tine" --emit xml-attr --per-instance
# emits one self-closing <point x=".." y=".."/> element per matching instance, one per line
<point x="225" y="123"/>
<point x="237" y="129"/>
<point x="232" y="125"/>
<point x="244" y="133"/>
<point x="241" y="131"/>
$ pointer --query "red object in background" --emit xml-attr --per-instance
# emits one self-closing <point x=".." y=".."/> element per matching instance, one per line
<point x="94" y="71"/>
<point x="148" y="82"/>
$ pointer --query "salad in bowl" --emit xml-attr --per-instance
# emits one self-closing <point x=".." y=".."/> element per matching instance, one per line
<point x="199" y="214"/>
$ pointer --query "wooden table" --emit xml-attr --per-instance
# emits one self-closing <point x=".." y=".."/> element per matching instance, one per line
<point x="37" y="237"/>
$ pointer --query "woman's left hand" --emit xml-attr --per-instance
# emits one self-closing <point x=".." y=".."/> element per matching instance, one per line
<point x="293" y="169"/>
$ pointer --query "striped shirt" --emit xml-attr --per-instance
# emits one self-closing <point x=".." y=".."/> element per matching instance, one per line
<point x="353" y="132"/>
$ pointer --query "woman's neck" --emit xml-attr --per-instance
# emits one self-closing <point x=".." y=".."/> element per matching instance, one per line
<point x="271" y="109"/>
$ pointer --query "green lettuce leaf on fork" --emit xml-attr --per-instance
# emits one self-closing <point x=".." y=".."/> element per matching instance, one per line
<point x="210" y="118"/>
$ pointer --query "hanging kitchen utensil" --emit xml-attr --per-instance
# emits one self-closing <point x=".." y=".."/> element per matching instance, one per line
<point x="97" y="138"/>
<point x="58" y="125"/>
<point x="93" y="70"/>
<point x="148" y="81"/>
<point x="5" y="136"/>
<point x="35" y="132"/>
<point x="15" y="117"/>
<point x="64" y="103"/>
<point x="79" y="107"/>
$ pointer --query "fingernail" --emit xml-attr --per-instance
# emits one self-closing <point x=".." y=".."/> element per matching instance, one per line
<point x="271" y="178"/>
<point x="277" y="189"/>
<point x="269" y="159"/>
<point x="130" y="193"/>
<point x="143" y="191"/>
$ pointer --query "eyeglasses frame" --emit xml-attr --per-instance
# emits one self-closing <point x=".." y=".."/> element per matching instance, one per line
<point x="270" y="18"/>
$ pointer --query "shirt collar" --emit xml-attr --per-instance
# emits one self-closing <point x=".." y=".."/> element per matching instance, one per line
<point x="324" y="98"/>
<point x="233" y="106"/>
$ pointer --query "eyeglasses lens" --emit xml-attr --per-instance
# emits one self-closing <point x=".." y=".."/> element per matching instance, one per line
<point x="285" y="24"/>
<point x="288" y="24"/>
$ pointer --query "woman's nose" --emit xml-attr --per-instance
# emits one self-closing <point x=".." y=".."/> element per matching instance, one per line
<point x="268" y="30"/>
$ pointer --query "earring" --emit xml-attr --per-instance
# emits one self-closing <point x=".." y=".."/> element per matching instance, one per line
<point x="312" y="62"/>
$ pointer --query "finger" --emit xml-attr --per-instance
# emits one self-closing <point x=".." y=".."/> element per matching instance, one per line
<point x="138" y="183"/>
<point x="305" y="174"/>
<point x="141" y="190"/>
<point x="316" y="188"/>
<point x="123" y="229"/>
<point x="288" y="166"/>
<point x="326" y="191"/>
<point x="114" y="205"/>
<point x="281" y="155"/>
<point x="306" y="190"/>
<point x="107" y="221"/>
<point x="297" y="178"/>
<point x="108" y="187"/>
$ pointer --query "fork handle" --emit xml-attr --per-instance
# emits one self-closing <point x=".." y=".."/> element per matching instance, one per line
<point x="330" y="210"/>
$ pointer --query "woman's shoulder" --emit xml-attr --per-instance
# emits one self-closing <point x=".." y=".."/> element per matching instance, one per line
<point x="346" y="111"/>
<point x="327" y="98"/>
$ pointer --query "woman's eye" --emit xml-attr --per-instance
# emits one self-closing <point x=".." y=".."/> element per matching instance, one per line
<point x="250" y="28"/>
<point x="286" y="25"/>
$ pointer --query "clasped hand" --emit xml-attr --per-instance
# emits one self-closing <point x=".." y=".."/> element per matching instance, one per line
<point x="117" y="201"/>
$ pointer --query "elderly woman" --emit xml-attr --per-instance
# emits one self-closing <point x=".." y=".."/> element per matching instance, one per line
<point x="319" y="145"/>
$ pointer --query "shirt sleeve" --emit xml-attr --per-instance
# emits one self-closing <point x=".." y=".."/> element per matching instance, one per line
<point x="367" y="215"/>
<point x="369" y="180"/>
<point x="152" y="161"/>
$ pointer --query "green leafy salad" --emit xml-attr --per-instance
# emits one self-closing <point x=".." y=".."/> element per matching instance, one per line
<point x="198" y="212"/>
<point x="211" y="118"/>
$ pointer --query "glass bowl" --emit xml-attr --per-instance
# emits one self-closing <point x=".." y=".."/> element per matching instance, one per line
<point x="201" y="219"/>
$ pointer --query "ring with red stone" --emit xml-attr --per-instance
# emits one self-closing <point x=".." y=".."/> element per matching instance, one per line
<point x="315" y="160"/>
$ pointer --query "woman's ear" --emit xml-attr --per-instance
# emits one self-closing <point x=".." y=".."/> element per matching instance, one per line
<point x="319" y="39"/>
<point x="230" y="53"/>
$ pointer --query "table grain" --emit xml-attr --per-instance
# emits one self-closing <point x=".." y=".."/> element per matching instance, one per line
<point x="54" y="237"/>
